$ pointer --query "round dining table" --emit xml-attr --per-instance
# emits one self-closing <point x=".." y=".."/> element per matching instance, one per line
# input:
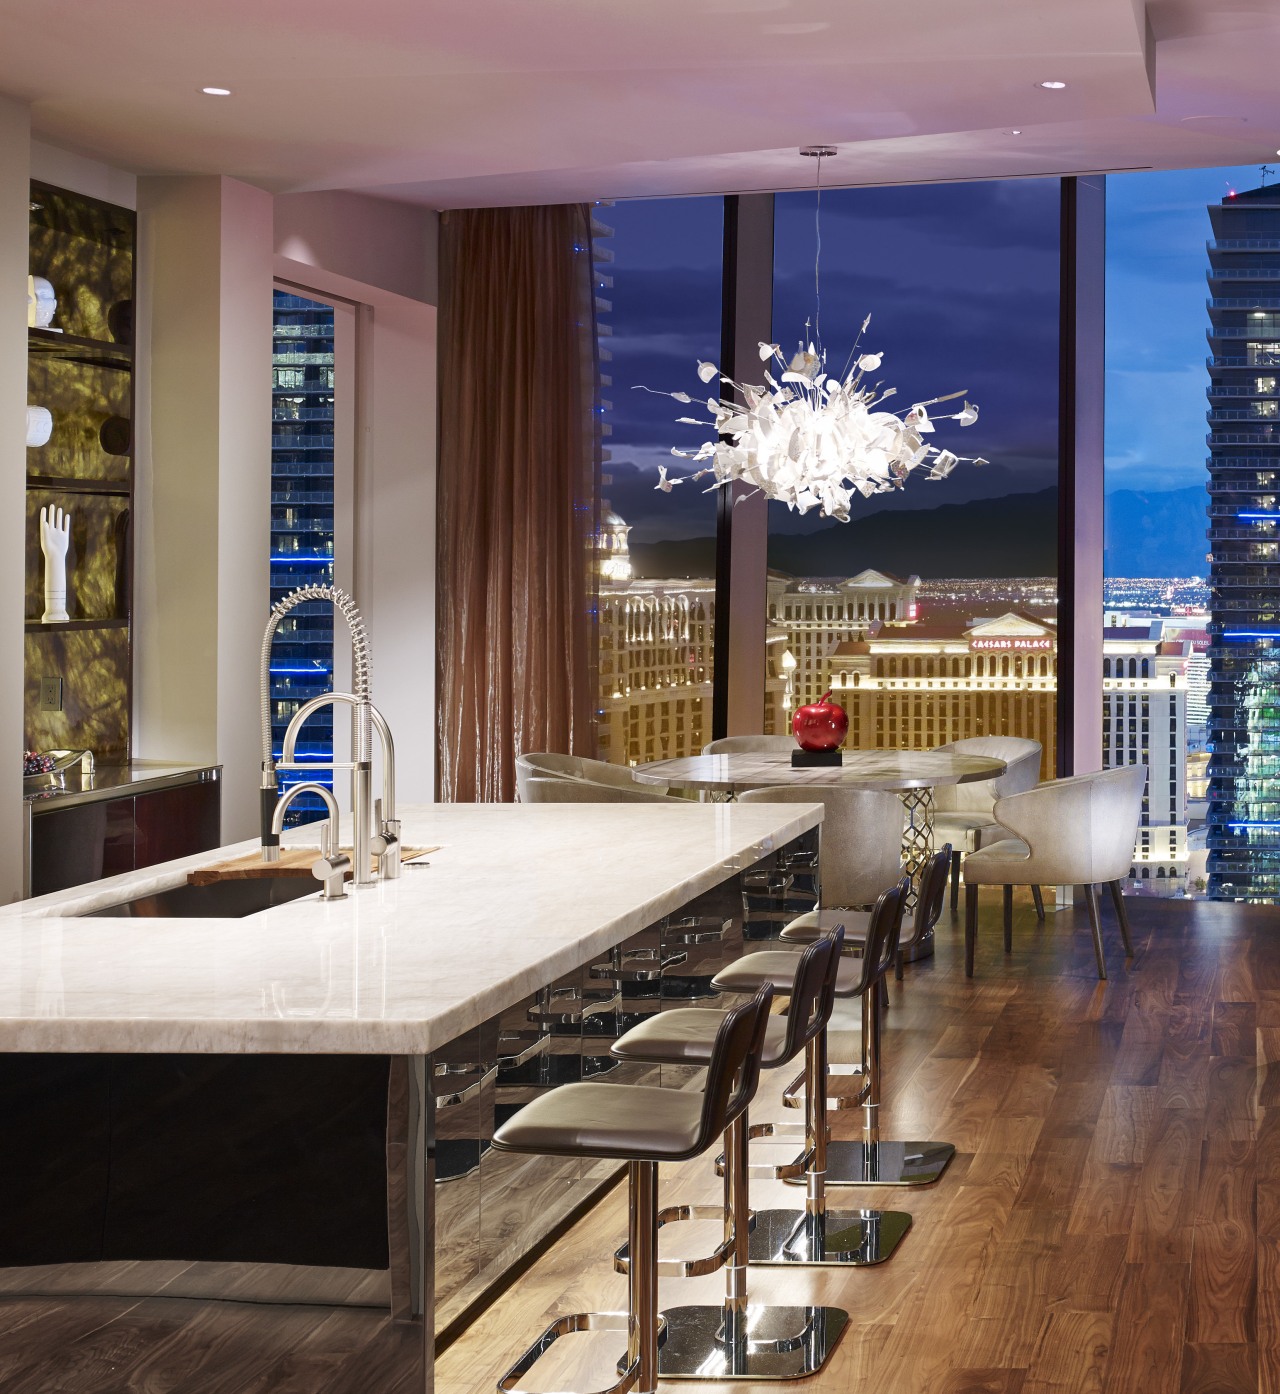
<point x="911" y="774"/>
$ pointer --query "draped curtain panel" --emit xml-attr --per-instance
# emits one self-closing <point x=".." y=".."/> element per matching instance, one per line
<point x="517" y="505"/>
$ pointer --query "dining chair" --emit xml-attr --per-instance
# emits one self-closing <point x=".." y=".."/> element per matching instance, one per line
<point x="860" y="852"/>
<point x="1078" y="831"/>
<point x="962" y="813"/>
<point x="549" y="765"/>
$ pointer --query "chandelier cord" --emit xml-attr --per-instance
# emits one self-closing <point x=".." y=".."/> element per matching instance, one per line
<point x="817" y="260"/>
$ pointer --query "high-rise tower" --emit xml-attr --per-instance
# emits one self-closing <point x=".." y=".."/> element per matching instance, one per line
<point x="1244" y="513"/>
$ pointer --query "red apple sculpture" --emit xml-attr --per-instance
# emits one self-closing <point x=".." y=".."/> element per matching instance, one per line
<point x="822" y="725"/>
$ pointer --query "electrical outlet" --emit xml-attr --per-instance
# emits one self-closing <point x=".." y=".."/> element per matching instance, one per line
<point x="50" y="694"/>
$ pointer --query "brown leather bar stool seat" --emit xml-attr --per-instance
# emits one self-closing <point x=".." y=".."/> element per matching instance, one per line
<point x="872" y="1162"/>
<point x="719" y="1342"/>
<point x="642" y="1126"/>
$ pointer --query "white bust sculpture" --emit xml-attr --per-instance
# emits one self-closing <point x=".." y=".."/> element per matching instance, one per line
<point x="55" y="534"/>
<point x="42" y="303"/>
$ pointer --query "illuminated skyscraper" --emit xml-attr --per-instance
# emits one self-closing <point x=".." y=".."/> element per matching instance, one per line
<point x="302" y="522"/>
<point x="1244" y="469"/>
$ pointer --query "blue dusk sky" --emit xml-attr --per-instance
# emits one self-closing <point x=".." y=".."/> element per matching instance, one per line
<point x="1157" y="228"/>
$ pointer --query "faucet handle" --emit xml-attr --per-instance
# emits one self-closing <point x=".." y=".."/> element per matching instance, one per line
<point x="386" y="844"/>
<point x="331" y="871"/>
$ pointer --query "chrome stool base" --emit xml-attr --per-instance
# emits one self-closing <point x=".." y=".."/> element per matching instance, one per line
<point x="779" y="1343"/>
<point x="886" y="1163"/>
<point x="618" y="1322"/>
<point x="850" y="1238"/>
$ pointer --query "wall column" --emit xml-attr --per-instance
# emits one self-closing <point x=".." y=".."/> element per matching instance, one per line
<point x="1081" y="472"/>
<point x="742" y="532"/>
<point x="15" y="231"/>
<point x="202" y="582"/>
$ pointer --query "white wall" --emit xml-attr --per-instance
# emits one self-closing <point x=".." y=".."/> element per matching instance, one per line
<point x="204" y="478"/>
<point x="374" y="241"/>
<point x="15" y="175"/>
<point x="92" y="178"/>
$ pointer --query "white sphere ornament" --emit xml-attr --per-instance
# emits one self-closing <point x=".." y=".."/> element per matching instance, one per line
<point x="39" y="426"/>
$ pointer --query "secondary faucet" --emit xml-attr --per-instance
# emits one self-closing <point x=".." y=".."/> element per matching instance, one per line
<point x="361" y="763"/>
<point x="333" y="864"/>
<point x="385" y="839"/>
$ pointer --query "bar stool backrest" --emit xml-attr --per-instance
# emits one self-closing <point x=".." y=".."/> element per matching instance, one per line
<point x="733" y="1071"/>
<point x="933" y="891"/>
<point x="814" y="995"/>
<point x="883" y="934"/>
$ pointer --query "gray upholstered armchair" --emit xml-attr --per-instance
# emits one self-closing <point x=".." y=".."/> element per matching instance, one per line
<point x="1074" y="832"/>
<point x="962" y="813"/>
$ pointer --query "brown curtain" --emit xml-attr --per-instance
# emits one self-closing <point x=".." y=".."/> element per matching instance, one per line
<point x="518" y="463"/>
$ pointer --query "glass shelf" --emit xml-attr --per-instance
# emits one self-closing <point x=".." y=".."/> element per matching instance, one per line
<point x="40" y="627"/>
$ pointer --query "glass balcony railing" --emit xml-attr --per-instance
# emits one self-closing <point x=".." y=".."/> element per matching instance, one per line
<point x="1244" y="244"/>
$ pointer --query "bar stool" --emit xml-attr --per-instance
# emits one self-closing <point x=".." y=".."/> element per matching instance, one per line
<point x="642" y="1126"/>
<point x="873" y="1162"/>
<point x="933" y="891"/>
<point x="715" y="1342"/>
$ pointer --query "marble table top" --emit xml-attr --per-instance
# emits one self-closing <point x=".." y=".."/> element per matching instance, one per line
<point x="865" y="769"/>
<point x="516" y="896"/>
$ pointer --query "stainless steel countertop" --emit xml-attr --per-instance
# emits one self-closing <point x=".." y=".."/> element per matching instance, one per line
<point x="117" y="781"/>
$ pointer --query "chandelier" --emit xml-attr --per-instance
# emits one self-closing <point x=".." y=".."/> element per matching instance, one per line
<point x="811" y="438"/>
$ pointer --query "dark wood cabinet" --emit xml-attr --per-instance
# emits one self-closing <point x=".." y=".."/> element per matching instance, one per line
<point x="84" y="841"/>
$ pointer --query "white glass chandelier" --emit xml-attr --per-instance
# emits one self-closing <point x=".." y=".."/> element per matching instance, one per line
<point x="811" y="438"/>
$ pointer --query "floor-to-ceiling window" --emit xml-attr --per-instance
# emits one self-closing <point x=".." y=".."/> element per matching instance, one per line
<point x="1190" y="585"/>
<point x="302" y="528"/>
<point x="658" y="303"/>
<point x="932" y="612"/>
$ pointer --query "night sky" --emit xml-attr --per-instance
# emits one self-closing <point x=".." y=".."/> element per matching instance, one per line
<point x="961" y="282"/>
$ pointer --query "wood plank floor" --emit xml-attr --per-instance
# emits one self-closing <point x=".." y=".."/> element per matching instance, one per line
<point x="1112" y="1220"/>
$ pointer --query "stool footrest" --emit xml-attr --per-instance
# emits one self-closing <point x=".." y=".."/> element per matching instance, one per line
<point x="686" y="1267"/>
<point x="838" y="1103"/>
<point x="619" y="1322"/>
<point x="793" y="1095"/>
<point x="775" y="1171"/>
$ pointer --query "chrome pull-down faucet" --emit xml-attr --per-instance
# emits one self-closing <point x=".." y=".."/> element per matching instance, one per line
<point x="361" y="763"/>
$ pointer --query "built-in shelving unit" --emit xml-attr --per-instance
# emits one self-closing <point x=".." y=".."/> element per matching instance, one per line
<point x="80" y="367"/>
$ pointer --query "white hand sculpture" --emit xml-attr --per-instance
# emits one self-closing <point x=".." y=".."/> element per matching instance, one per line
<point x="55" y="535"/>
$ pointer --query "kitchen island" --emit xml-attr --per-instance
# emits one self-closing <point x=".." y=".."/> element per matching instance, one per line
<point x="299" y="1101"/>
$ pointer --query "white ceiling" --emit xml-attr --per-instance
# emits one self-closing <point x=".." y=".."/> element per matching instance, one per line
<point x="489" y="102"/>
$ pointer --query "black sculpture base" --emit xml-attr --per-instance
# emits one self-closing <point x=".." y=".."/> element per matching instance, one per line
<point x="813" y="759"/>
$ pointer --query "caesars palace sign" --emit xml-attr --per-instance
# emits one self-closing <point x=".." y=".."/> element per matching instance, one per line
<point x="1010" y="642"/>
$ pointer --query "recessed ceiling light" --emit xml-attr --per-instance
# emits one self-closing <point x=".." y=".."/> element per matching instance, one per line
<point x="1015" y="133"/>
<point x="1053" y="86"/>
<point x="216" y="91"/>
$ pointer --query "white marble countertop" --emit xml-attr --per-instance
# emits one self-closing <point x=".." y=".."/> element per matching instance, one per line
<point x="516" y="896"/>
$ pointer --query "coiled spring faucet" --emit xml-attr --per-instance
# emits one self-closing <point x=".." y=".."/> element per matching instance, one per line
<point x="361" y="763"/>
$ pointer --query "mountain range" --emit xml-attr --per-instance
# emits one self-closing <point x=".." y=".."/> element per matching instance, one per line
<point x="1015" y="535"/>
<point x="1159" y="533"/>
<point x="1153" y="533"/>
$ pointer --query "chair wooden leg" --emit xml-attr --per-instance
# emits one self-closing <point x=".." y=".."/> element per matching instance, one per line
<point x="955" y="881"/>
<point x="897" y="965"/>
<point x="970" y="927"/>
<point x="1008" y="919"/>
<point x="1117" y="899"/>
<point x="1039" y="900"/>
<point x="1095" y="920"/>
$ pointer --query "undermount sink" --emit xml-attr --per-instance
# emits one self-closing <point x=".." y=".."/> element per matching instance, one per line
<point x="230" y="899"/>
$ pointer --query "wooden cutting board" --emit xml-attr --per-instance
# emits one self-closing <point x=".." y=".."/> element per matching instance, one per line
<point x="294" y="861"/>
